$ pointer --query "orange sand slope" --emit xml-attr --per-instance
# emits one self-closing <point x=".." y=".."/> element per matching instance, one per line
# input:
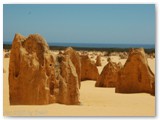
<point x="94" y="101"/>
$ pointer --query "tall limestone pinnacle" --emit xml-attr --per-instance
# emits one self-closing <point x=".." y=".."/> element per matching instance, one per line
<point x="109" y="75"/>
<point x="136" y="76"/>
<point x="76" y="60"/>
<point x="32" y="78"/>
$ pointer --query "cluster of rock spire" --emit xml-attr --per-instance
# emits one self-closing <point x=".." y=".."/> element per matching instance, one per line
<point x="37" y="77"/>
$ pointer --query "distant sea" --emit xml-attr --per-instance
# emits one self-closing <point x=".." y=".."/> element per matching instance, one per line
<point x="94" y="45"/>
<point x="97" y="45"/>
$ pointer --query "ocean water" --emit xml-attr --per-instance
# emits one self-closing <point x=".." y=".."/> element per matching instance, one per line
<point x="94" y="45"/>
<point x="97" y="45"/>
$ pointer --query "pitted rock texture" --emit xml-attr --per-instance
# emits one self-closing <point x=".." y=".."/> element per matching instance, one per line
<point x="98" y="61"/>
<point x="68" y="81"/>
<point x="88" y="68"/>
<point x="76" y="60"/>
<point x="136" y="76"/>
<point x="108" y="76"/>
<point x="31" y="70"/>
<point x="34" y="76"/>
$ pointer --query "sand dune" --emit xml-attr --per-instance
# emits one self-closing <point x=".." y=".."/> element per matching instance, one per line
<point x="94" y="101"/>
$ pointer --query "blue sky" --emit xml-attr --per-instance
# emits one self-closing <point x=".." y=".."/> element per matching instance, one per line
<point x="129" y="24"/>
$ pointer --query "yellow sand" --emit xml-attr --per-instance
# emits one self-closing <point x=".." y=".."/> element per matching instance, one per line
<point x="94" y="101"/>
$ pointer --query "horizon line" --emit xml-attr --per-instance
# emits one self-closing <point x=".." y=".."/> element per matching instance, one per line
<point x="4" y="42"/>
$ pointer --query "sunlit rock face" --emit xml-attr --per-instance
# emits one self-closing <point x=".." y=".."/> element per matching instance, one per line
<point x="136" y="76"/>
<point x="88" y="68"/>
<point x="34" y="78"/>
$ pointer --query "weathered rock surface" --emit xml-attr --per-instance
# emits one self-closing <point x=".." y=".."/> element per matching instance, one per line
<point x="31" y="70"/>
<point x="108" y="76"/>
<point x="34" y="76"/>
<point x="136" y="76"/>
<point x="123" y="55"/>
<point x="68" y="81"/>
<point x="88" y="68"/>
<point x="75" y="58"/>
<point x="98" y="61"/>
<point x="7" y="54"/>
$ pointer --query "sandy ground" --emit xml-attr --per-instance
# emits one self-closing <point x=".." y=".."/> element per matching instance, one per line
<point x="94" y="101"/>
